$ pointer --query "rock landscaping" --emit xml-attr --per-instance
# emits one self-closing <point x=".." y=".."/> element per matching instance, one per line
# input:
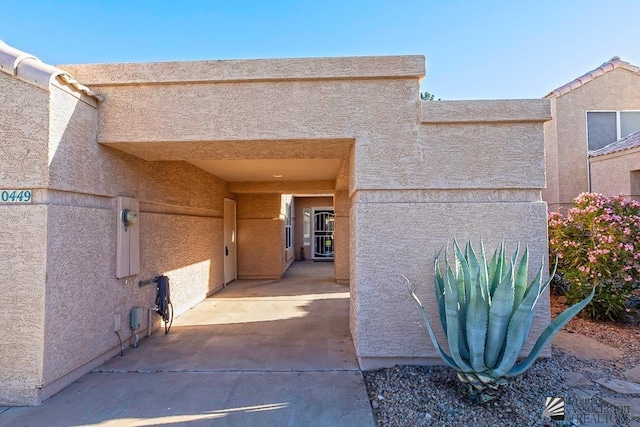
<point x="599" y="382"/>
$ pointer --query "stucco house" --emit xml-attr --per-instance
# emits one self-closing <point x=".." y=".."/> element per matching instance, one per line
<point x="590" y="112"/>
<point x="226" y="164"/>
<point x="615" y="168"/>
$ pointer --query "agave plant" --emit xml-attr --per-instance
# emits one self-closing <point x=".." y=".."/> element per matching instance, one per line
<point x="486" y="311"/>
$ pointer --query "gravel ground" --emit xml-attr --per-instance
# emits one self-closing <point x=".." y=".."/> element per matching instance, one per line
<point x="433" y="396"/>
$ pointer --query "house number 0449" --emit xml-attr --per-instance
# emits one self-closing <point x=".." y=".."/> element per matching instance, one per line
<point x="15" y="196"/>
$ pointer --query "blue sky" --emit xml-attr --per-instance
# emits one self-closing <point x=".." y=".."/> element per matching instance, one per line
<point x="474" y="49"/>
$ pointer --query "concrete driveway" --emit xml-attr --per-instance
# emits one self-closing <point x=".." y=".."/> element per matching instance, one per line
<point x="258" y="353"/>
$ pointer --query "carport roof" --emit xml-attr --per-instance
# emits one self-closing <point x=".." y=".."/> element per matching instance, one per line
<point x="626" y="143"/>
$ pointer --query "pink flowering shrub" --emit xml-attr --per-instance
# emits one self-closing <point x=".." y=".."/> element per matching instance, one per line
<point x="598" y="243"/>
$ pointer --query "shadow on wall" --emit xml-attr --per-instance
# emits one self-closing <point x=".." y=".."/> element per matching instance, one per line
<point x="83" y="295"/>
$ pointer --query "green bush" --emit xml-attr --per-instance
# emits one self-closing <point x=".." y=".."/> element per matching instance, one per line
<point x="598" y="243"/>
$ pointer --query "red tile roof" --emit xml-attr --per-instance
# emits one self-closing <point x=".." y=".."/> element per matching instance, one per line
<point x="30" y="69"/>
<point x="610" y="65"/>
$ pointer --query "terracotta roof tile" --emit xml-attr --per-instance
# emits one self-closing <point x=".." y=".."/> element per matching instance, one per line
<point x="610" y="65"/>
<point x="626" y="143"/>
<point x="30" y="69"/>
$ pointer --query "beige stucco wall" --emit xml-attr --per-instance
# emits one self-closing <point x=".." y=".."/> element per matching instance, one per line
<point x="267" y="110"/>
<point x="618" y="89"/>
<point x="22" y="297"/>
<point x="178" y="203"/>
<point x="388" y="326"/>
<point x="24" y="119"/>
<point x="342" y="232"/>
<point x="66" y="321"/>
<point x="486" y="173"/>
<point x="24" y="115"/>
<point x="617" y="173"/>
<point x="260" y="236"/>
<point x="550" y="193"/>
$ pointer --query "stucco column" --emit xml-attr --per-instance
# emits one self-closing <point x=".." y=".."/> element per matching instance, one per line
<point x="341" y="205"/>
<point x="23" y="255"/>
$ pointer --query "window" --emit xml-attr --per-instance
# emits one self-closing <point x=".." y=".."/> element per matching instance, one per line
<point x="306" y="227"/>
<point x="605" y="127"/>
<point x="287" y="226"/>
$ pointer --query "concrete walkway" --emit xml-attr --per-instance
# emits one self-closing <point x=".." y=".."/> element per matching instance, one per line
<point x="258" y="353"/>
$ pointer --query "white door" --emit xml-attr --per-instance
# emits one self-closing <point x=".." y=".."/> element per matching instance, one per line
<point x="323" y="226"/>
<point x="230" y="273"/>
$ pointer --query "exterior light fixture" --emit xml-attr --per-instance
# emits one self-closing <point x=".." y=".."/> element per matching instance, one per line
<point x="129" y="217"/>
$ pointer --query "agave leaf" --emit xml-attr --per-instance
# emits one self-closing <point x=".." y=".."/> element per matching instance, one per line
<point x="464" y="275"/>
<point x="493" y="270"/>
<point x="484" y="273"/>
<point x="439" y="288"/>
<point x="474" y="271"/>
<point x="518" y="331"/>
<point x="520" y="281"/>
<point x="501" y="268"/>
<point x="464" y="285"/>
<point x="453" y="333"/>
<point x="499" y="316"/>
<point x="510" y="267"/>
<point x="477" y="318"/>
<point x="553" y="273"/>
<point x="514" y="259"/>
<point x="485" y="378"/>
<point x="471" y="276"/>
<point x="432" y="335"/>
<point x="549" y="332"/>
<point x="539" y="289"/>
<point x="538" y="280"/>
<point x="472" y="260"/>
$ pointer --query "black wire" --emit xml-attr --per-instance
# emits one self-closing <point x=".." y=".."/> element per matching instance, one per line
<point x="121" y="347"/>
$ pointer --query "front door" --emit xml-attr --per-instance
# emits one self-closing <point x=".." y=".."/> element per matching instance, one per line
<point x="229" y="241"/>
<point x="323" y="226"/>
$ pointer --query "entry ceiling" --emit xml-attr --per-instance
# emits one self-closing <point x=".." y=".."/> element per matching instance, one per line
<point x="250" y="160"/>
<point x="272" y="170"/>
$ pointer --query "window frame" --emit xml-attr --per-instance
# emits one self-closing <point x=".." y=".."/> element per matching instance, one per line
<point x="288" y="226"/>
<point x="618" y="122"/>
<point x="586" y="133"/>
<point x="306" y="227"/>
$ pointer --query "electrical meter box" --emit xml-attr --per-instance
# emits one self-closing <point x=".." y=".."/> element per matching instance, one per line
<point x="136" y="317"/>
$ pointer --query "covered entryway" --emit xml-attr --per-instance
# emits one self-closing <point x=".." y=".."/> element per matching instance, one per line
<point x="300" y="322"/>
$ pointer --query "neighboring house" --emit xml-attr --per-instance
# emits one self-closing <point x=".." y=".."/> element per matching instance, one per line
<point x="589" y="113"/>
<point x="615" y="168"/>
<point x="226" y="164"/>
